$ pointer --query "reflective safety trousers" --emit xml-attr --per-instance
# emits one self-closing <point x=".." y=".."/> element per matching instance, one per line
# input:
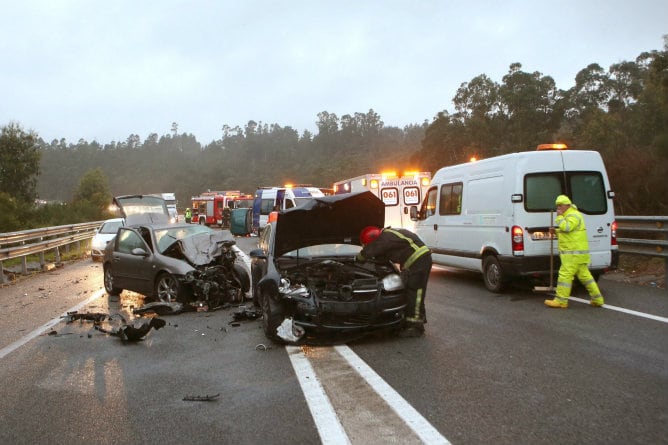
<point x="573" y="266"/>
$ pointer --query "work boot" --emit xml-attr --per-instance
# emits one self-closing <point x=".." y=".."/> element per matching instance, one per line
<point x="558" y="303"/>
<point x="412" y="329"/>
<point x="596" y="302"/>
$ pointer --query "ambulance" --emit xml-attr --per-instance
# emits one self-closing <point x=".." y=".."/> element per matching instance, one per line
<point x="269" y="199"/>
<point x="493" y="216"/>
<point x="398" y="193"/>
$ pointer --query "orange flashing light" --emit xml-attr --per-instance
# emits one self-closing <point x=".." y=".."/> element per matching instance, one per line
<point x="552" y="147"/>
<point x="473" y="159"/>
<point x="373" y="183"/>
<point x="389" y="174"/>
<point x="425" y="181"/>
<point x="288" y="186"/>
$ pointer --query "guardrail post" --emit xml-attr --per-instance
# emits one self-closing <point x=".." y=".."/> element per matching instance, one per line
<point x="42" y="261"/>
<point x="57" y="255"/>
<point x="3" y="280"/>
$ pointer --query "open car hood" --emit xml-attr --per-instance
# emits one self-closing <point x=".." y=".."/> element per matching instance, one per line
<point x="328" y="220"/>
<point x="142" y="209"/>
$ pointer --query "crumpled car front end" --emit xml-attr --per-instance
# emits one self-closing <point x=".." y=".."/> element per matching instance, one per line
<point x="214" y="277"/>
<point x="340" y="294"/>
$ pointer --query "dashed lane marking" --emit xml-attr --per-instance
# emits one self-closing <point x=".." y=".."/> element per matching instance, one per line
<point x="350" y="403"/>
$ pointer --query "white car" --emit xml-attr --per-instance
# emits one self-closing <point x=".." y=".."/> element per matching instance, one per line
<point x="103" y="235"/>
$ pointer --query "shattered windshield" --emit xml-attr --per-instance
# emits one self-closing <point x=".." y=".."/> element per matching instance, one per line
<point x="167" y="236"/>
<point x="324" y="250"/>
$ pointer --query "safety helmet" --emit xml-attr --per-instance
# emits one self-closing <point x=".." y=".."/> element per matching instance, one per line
<point x="369" y="234"/>
<point x="563" y="200"/>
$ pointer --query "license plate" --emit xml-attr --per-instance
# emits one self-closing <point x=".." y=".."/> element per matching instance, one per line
<point x="537" y="236"/>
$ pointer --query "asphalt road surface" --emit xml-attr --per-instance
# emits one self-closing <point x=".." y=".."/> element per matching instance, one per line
<point x="499" y="369"/>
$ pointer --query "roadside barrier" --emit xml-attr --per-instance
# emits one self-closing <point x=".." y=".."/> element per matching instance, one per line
<point x="650" y="237"/>
<point x="24" y="243"/>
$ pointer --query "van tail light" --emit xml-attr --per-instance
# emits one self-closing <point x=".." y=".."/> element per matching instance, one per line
<point x="613" y="233"/>
<point x="517" y="240"/>
<point x="273" y="216"/>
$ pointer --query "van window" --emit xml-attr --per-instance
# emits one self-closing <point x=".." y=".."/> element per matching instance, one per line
<point x="541" y="189"/>
<point x="586" y="190"/>
<point x="451" y="199"/>
<point x="266" y="206"/>
<point x="429" y="204"/>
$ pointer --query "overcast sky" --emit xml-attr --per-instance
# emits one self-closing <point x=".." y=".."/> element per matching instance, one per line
<point x="104" y="69"/>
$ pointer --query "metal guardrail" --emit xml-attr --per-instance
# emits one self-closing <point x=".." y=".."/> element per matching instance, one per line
<point x="23" y="243"/>
<point x="650" y="237"/>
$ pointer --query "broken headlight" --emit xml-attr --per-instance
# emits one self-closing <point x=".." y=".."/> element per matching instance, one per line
<point x="392" y="282"/>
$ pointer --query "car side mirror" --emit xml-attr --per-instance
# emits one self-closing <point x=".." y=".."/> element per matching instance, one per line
<point x="138" y="251"/>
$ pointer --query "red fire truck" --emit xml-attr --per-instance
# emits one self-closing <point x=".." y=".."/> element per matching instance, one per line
<point x="214" y="207"/>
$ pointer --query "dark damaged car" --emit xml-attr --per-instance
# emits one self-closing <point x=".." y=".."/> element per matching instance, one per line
<point x="185" y="263"/>
<point x="307" y="282"/>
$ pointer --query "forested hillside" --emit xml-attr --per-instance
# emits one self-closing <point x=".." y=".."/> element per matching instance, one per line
<point x="622" y="112"/>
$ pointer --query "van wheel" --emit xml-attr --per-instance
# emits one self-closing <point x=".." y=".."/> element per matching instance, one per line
<point x="492" y="274"/>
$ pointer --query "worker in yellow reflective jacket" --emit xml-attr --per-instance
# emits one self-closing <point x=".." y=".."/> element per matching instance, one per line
<point x="573" y="253"/>
<point x="405" y="248"/>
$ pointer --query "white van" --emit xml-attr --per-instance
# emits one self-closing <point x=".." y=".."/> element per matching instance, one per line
<point x="268" y="199"/>
<point x="494" y="215"/>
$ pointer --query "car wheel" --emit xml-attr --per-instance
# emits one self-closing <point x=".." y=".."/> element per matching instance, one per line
<point x="492" y="274"/>
<point x="109" y="282"/>
<point x="167" y="288"/>
<point x="272" y="317"/>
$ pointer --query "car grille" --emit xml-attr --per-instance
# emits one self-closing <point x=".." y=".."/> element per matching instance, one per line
<point x="360" y="290"/>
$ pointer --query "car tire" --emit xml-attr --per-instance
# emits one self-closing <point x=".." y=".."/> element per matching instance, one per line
<point x="272" y="317"/>
<point x="109" y="282"/>
<point x="167" y="288"/>
<point x="493" y="274"/>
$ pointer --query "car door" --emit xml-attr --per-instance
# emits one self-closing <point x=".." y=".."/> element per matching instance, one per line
<point x="132" y="271"/>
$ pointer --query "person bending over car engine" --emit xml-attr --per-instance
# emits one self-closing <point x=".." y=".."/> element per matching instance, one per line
<point x="405" y="248"/>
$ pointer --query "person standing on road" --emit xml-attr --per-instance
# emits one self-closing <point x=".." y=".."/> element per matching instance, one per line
<point x="574" y="255"/>
<point x="188" y="215"/>
<point x="406" y="249"/>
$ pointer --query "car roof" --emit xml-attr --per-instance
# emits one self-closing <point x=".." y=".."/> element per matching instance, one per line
<point x="329" y="219"/>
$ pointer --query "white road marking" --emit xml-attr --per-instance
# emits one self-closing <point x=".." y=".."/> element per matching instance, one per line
<point x="626" y="311"/>
<point x="39" y="331"/>
<point x="605" y="306"/>
<point x="416" y="427"/>
<point x="328" y="424"/>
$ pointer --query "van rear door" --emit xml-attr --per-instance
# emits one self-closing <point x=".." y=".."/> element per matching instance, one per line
<point x="588" y="186"/>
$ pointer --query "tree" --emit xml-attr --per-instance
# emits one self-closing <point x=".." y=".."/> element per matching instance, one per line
<point x="93" y="191"/>
<point x="10" y="218"/>
<point x="19" y="163"/>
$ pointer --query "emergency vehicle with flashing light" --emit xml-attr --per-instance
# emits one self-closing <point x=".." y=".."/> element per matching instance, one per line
<point x="493" y="215"/>
<point x="398" y="193"/>
<point x="213" y="207"/>
<point x="270" y="199"/>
